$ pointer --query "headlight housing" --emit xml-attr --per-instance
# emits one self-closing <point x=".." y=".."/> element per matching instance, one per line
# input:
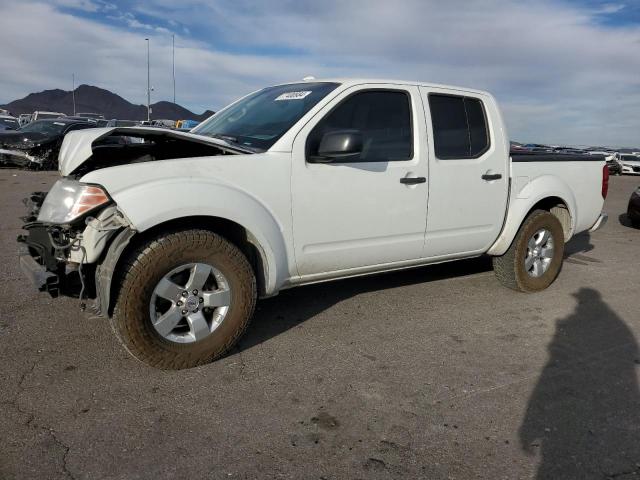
<point x="69" y="200"/>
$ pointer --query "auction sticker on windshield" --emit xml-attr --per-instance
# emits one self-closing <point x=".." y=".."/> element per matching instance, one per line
<point x="292" y="96"/>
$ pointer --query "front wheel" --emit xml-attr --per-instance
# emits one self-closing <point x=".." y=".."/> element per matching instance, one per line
<point x="184" y="299"/>
<point x="534" y="259"/>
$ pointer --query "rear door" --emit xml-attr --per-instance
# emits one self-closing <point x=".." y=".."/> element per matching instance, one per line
<point x="469" y="176"/>
<point x="361" y="211"/>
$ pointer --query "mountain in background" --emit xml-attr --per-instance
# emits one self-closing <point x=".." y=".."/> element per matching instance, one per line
<point x="92" y="99"/>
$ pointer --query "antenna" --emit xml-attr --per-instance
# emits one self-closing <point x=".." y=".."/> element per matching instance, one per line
<point x="308" y="78"/>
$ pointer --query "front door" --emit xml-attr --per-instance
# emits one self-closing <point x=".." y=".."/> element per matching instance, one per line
<point x="369" y="208"/>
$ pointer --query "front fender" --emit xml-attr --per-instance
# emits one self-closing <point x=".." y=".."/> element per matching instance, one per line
<point x="522" y="200"/>
<point x="154" y="202"/>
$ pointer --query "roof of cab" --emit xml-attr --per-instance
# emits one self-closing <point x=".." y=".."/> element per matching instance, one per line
<point x="359" y="81"/>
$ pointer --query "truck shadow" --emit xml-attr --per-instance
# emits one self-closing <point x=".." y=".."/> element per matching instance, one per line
<point x="583" y="416"/>
<point x="580" y="243"/>
<point x="292" y="307"/>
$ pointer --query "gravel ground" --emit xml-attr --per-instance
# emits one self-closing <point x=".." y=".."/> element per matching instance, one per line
<point x="437" y="372"/>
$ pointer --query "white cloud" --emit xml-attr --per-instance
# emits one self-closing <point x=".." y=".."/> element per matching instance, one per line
<point x="609" y="8"/>
<point x="559" y="74"/>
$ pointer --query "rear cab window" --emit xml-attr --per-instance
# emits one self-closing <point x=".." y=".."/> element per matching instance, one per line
<point x="460" y="129"/>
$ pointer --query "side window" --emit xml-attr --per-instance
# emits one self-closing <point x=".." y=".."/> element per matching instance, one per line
<point x="459" y="126"/>
<point x="383" y="117"/>
<point x="478" y="131"/>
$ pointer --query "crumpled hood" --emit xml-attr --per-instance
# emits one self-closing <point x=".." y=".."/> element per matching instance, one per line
<point x="78" y="146"/>
<point x="22" y="140"/>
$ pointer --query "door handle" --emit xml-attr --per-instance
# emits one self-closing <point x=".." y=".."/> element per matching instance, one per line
<point x="413" y="180"/>
<point x="492" y="176"/>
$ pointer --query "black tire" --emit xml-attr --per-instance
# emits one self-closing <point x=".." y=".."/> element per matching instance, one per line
<point x="510" y="267"/>
<point x="141" y="273"/>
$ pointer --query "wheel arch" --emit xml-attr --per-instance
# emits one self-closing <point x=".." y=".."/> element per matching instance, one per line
<point x="544" y="193"/>
<point x="129" y="240"/>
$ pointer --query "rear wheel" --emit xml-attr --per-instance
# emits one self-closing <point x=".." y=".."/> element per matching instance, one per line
<point x="534" y="259"/>
<point x="185" y="299"/>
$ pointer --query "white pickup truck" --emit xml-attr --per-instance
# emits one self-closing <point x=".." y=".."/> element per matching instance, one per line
<point x="175" y="235"/>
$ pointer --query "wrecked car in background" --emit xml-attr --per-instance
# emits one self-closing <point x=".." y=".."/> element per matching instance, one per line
<point x="36" y="145"/>
<point x="7" y="122"/>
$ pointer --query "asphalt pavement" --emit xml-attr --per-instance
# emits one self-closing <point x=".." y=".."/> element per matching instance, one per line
<point x="437" y="372"/>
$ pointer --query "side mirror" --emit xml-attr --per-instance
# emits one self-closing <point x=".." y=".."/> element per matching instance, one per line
<point x="339" y="145"/>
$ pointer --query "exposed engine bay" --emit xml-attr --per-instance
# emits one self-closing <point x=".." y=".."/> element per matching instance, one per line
<point x="86" y="151"/>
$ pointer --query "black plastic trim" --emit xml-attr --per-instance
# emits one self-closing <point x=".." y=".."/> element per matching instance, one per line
<point x="554" y="157"/>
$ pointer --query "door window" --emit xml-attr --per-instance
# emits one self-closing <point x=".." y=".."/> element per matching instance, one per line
<point x="383" y="118"/>
<point x="459" y="126"/>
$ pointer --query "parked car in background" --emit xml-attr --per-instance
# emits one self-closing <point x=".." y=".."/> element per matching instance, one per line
<point x="40" y="115"/>
<point x="607" y="154"/>
<point x="7" y="122"/>
<point x="630" y="164"/>
<point x="122" y="123"/>
<point x="633" y="209"/>
<point x="95" y="116"/>
<point x="177" y="236"/>
<point x="164" y="123"/>
<point x="188" y="124"/>
<point x="615" y="167"/>
<point x="37" y="144"/>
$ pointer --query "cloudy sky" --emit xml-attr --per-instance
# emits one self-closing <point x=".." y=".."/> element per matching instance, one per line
<point x="563" y="70"/>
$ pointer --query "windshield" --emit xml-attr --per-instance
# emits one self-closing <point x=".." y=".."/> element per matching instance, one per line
<point x="48" y="128"/>
<point x="631" y="157"/>
<point x="260" y="119"/>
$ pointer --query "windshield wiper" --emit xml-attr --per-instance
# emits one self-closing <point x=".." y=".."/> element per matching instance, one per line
<point x="226" y="138"/>
<point x="230" y="139"/>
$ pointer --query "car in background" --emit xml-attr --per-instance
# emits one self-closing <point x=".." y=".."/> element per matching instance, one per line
<point x="614" y="166"/>
<point x="95" y="116"/>
<point x="187" y="124"/>
<point x="36" y="145"/>
<point x="165" y="123"/>
<point x="630" y="164"/>
<point x="633" y="209"/>
<point x="40" y="115"/>
<point x="7" y="122"/>
<point x="122" y="123"/>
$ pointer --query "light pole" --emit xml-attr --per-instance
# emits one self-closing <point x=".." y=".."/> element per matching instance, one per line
<point x="148" y="84"/>
<point x="73" y="92"/>
<point x="173" y="58"/>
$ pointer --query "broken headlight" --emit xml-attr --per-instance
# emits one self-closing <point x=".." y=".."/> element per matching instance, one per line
<point x="69" y="200"/>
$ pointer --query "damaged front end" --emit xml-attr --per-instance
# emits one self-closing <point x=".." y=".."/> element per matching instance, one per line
<point x="62" y="258"/>
<point x="96" y="148"/>
<point x="75" y="233"/>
